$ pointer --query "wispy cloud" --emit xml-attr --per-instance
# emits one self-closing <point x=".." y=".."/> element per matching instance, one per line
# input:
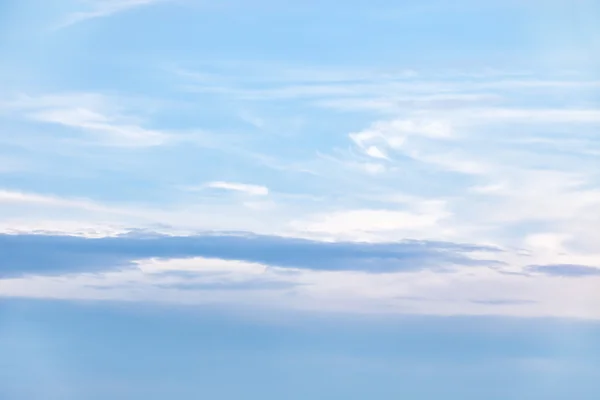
<point x="108" y="130"/>
<point x="389" y="92"/>
<point x="253" y="190"/>
<point x="395" y="133"/>
<point x="17" y="197"/>
<point x="98" y="117"/>
<point x="104" y="8"/>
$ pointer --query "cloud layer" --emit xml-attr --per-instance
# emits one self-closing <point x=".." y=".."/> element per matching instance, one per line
<point x="447" y="171"/>
<point x="51" y="254"/>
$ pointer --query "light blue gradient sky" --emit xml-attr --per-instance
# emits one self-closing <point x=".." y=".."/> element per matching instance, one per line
<point x="176" y="166"/>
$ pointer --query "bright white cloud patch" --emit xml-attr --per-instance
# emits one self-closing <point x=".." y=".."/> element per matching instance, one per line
<point x="374" y="152"/>
<point x="200" y="264"/>
<point x="357" y="222"/>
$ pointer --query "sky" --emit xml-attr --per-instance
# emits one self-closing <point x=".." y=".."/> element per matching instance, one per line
<point x="256" y="199"/>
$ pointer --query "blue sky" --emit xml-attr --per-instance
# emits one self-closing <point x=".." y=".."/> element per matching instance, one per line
<point x="247" y="170"/>
<point x="136" y="351"/>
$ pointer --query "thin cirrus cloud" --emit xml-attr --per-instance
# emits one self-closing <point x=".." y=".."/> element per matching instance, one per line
<point x="105" y="129"/>
<point x="92" y="117"/>
<point x="102" y="9"/>
<point x="253" y="190"/>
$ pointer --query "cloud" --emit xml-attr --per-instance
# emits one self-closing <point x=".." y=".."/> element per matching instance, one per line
<point x="253" y="190"/>
<point x="369" y="220"/>
<point x="103" y="120"/>
<point x="451" y="161"/>
<point x="10" y="196"/>
<point x="349" y="223"/>
<point x="370" y="89"/>
<point x="409" y="137"/>
<point x="532" y="115"/>
<point x="250" y="284"/>
<point x="110" y="130"/>
<point x="394" y="133"/>
<point x="53" y="254"/>
<point x="372" y="168"/>
<point x="104" y="8"/>
<point x="502" y="302"/>
<point x="565" y="270"/>
<point x="375" y="152"/>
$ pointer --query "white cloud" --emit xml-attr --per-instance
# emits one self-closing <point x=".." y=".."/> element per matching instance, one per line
<point x="364" y="88"/>
<point x="99" y="117"/>
<point x="449" y="161"/>
<point x="26" y="211"/>
<point x="16" y="197"/>
<point x="65" y="227"/>
<point x="109" y="130"/>
<point x="373" y="168"/>
<point x="531" y="115"/>
<point x="253" y="190"/>
<point x="104" y="8"/>
<point x="394" y="133"/>
<point x="375" y="152"/>
<point x="490" y="188"/>
<point x="201" y="264"/>
<point x="402" y="136"/>
<point x="546" y="243"/>
<point x="372" y="223"/>
<point x="545" y="195"/>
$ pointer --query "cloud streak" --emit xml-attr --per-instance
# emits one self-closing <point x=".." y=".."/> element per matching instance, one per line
<point x="89" y="118"/>
<point x="51" y="254"/>
<point x="253" y="190"/>
<point x="565" y="270"/>
<point x="106" y="129"/>
<point x="103" y="9"/>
